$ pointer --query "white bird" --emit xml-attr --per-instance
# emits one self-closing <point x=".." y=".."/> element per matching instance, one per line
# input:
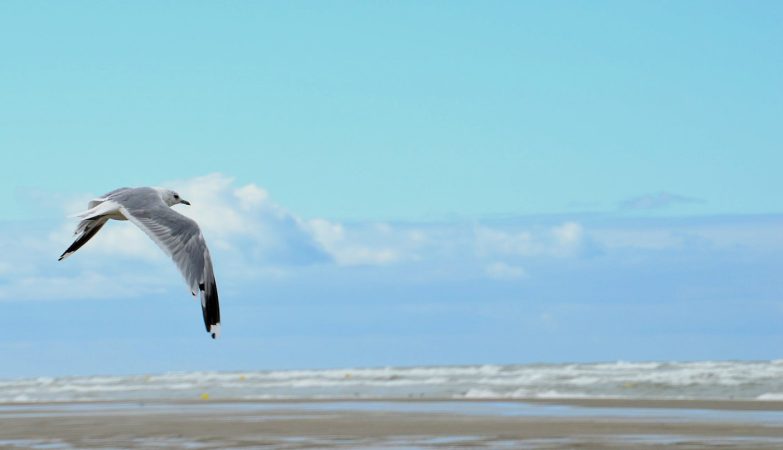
<point x="177" y="235"/>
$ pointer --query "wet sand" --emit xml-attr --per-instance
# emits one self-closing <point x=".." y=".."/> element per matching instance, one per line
<point x="426" y="424"/>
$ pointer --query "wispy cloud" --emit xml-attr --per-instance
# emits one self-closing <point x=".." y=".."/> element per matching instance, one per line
<point x="503" y="271"/>
<point x="85" y="284"/>
<point x="561" y="240"/>
<point x="656" y="200"/>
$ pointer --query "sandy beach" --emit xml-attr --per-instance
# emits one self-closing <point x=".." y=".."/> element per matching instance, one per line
<point x="395" y="424"/>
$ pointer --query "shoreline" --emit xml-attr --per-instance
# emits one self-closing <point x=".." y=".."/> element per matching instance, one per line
<point x="395" y="423"/>
<point x="706" y="404"/>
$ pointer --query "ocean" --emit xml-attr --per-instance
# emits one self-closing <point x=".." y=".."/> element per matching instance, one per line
<point x="700" y="380"/>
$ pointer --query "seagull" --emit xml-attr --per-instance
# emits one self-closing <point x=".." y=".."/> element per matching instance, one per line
<point x="178" y="236"/>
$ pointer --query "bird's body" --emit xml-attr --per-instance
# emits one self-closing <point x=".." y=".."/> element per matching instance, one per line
<point x="177" y="235"/>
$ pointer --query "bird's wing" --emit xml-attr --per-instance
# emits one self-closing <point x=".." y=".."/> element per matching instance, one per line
<point x="181" y="238"/>
<point x="93" y="219"/>
<point x="97" y="201"/>
<point x="86" y="230"/>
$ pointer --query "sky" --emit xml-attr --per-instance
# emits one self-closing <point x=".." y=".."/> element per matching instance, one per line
<point x="395" y="183"/>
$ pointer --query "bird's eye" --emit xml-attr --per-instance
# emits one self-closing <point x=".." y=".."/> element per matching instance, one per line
<point x="176" y="196"/>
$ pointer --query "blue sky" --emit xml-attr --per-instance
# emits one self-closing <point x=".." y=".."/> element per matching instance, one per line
<point x="396" y="183"/>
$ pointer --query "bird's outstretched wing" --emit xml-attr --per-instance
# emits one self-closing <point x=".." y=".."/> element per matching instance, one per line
<point x="181" y="238"/>
<point x="96" y="216"/>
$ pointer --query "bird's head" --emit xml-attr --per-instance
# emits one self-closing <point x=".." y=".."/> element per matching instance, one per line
<point x="171" y="198"/>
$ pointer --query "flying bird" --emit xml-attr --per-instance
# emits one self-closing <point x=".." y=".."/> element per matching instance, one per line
<point x="179" y="236"/>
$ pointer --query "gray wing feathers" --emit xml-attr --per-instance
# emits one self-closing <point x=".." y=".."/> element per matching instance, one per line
<point x="95" y="202"/>
<point x="181" y="238"/>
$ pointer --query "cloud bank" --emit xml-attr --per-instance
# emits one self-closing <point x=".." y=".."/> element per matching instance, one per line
<point x="253" y="239"/>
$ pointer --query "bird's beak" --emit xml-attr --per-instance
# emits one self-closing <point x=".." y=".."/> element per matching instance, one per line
<point x="185" y="202"/>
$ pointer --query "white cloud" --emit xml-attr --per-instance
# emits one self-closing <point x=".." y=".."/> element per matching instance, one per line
<point x="349" y="251"/>
<point x="559" y="241"/>
<point x="251" y="196"/>
<point x="568" y="238"/>
<point x="218" y="211"/>
<point x="568" y="234"/>
<point x="503" y="271"/>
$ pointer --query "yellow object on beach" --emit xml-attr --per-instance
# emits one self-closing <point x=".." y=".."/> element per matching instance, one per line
<point x="204" y="396"/>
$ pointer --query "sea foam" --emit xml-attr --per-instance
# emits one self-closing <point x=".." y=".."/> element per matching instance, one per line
<point x="759" y="380"/>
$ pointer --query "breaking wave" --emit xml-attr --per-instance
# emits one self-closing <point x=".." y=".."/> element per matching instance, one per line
<point x="760" y="380"/>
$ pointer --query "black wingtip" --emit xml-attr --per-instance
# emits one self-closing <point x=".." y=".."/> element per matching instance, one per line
<point x="89" y="230"/>
<point x="210" y="307"/>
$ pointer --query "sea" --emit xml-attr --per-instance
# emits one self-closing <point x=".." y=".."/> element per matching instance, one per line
<point x="699" y="380"/>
